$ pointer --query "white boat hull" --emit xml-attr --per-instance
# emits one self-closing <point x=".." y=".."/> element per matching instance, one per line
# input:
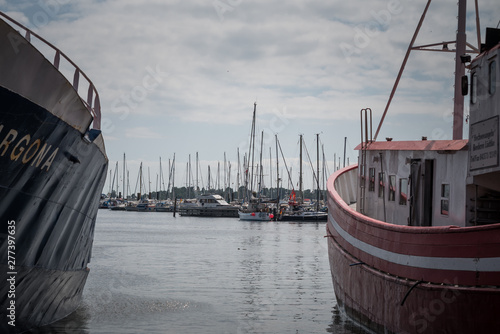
<point x="254" y="216"/>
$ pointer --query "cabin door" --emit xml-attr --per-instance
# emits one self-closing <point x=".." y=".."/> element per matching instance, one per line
<point x="415" y="206"/>
<point x="421" y="191"/>
<point x="428" y="192"/>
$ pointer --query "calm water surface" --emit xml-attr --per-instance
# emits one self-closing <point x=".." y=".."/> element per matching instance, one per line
<point x="153" y="273"/>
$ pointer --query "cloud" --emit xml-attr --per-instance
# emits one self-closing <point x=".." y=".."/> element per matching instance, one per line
<point x="142" y="133"/>
<point x="315" y="62"/>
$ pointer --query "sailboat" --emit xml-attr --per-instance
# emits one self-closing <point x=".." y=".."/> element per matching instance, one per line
<point x="296" y="210"/>
<point x="118" y="203"/>
<point x="166" y="205"/>
<point x="253" y="209"/>
<point x="132" y="205"/>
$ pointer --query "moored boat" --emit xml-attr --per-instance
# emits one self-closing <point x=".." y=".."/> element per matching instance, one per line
<point x="164" y="206"/>
<point x="253" y="207"/>
<point x="146" y="205"/>
<point x="302" y="215"/>
<point x="53" y="167"/>
<point x="209" y="205"/>
<point x="414" y="228"/>
<point x="117" y="204"/>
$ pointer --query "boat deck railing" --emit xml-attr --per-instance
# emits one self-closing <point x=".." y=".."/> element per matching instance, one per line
<point x="91" y="101"/>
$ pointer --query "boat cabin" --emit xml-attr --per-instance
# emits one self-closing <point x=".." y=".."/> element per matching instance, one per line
<point x="441" y="182"/>
<point x="483" y="182"/>
<point x="211" y="200"/>
<point x="414" y="183"/>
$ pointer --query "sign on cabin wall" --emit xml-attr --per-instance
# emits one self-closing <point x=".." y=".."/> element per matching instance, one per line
<point x="483" y="144"/>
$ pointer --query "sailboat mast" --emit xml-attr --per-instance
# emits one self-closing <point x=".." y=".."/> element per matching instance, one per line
<point x="173" y="179"/>
<point x="277" y="174"/>
<point x="113" y="182"/>
<point x="160" y="182"/>
<point x="345" y="143"/>
<point x="252" y="148"/>
<point x="317" y="171"/>
<point x="300" y="170"/>
<point x="209" y="176"/>
<point x="149" y="184"/>
<point x="124" y="189"/>
<point x="270" y="172"/>
<point x="140" y="182"/>
<point x="197" y="186"/>
<point x="238" y="175"/>
<point x="189" y="176"/>
<point x="260" y="163"/>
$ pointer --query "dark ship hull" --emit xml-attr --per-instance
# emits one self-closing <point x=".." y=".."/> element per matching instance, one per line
<point x="52" y="171"/>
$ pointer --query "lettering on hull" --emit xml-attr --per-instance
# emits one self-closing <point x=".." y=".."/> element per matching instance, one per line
<point x="23" y="148"/>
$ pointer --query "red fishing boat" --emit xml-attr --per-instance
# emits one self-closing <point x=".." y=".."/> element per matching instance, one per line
<point x="414" y="228"/>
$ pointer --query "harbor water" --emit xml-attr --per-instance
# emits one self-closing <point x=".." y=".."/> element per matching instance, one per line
<point x="154" y="273"/>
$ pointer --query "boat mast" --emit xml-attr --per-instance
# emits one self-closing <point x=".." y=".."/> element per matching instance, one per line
<point x="113" y="182"/>
<point x="124" y="189"/>
<point x="317" y="171"/>
<point x="238" y="174"/>
<point x="149" y="184"/>
<point x="252" y="151"/>
<point x="270" y="172"/>
<point x="160" y="176"/>
<point x="300" y="170"/>
<point x="458" y="108"/>
<point x="218" y="177"/>
<point x="225" y="175"/>
<point x="260" y="168"/>
<point x="277" y="175"/>
<point x="189" y="176"/>
<point x="253" y="147"/>
<point x="173" y="179"/>
<point x="197" y="186"/>
<point x="140" y="183"/>
<point x="209" y="176"/>
<point x="345" y="143"/>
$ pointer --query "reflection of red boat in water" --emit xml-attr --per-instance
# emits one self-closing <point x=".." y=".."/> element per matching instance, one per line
<point x="414" y="228"/>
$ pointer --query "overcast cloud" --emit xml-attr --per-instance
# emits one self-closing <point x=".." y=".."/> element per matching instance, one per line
<point x="182" y="76"/>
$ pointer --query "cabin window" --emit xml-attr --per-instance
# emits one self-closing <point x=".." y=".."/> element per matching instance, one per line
<point x="492" y="84"/>
<point x="403" y="191"/>
<point x="371" y="185"/>
<point x="392" y="188"/>
<point x="445" y="199"/>
<point x="381" y="184"/>
<point x="473" y="88"/>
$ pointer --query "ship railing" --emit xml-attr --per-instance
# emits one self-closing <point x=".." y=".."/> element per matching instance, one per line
<point x="91" y="101"/>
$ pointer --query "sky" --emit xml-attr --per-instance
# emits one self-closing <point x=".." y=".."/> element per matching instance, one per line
<point x="182" y="77"/>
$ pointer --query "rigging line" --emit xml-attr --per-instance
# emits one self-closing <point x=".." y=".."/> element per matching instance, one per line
<point x="284" y="161"/>
<point x="350" y="148"/>
<point x="136" y="182"/>
<point x="402" y="69"/>
<point x="315" y="179"/>
<point x="200" y="171"/>
<point x="325" y="163"/>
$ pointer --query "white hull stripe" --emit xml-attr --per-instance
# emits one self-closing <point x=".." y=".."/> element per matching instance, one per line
<point x="260" y="216"/>
<point x="490" y="264"/>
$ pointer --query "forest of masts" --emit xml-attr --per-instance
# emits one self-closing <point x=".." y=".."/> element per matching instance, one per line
<point x="269" y="178"/>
